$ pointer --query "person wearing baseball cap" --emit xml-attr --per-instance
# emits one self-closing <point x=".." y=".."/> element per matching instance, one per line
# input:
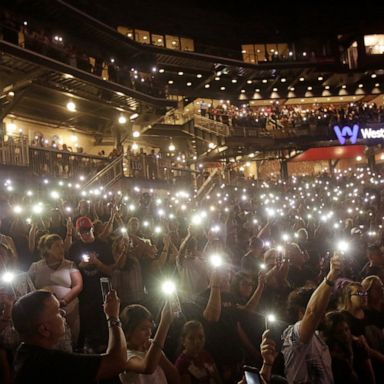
<point x="84" y="228"/>
<point x="93" y="257"/>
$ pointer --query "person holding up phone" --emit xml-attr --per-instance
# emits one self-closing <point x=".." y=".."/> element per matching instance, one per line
<point x="268" y="352"/>
<point x="38" y="319"/>
<point x="146" y="361"/>
<point x="306" y="355"/>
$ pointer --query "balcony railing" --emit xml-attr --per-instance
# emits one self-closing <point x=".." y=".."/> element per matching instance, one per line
<point x="51" y="162"/>
<point x="14" y="151"/>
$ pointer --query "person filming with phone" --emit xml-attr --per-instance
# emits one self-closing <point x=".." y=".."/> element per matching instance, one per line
<point x="306" y="355"/>
<point x="39" y="320"/>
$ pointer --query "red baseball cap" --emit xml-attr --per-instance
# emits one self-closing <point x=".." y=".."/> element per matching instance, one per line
<point x="84" y="222"/>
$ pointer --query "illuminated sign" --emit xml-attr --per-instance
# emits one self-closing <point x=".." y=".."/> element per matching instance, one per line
<point x="347" y="132"/>
<point x="351" y="133"/>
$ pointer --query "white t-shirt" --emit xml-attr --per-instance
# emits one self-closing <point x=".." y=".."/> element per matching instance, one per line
<point x="57" y="281"/>
<point x="157" y="377"/>
<point x="306" y="363"/>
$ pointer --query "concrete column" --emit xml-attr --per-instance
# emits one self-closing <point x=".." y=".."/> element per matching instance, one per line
<point x="370" y="153"/>
<point x="284" y="169"/>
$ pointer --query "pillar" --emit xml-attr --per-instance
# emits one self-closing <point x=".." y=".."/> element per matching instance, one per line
<point x="284" y="169"/>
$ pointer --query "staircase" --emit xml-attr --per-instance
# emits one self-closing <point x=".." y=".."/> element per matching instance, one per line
<point x="208" y="186"/>
<point x="108" y="176"/>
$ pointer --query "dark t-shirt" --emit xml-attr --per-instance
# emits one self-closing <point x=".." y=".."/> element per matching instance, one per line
<point x="91" y="292"/>
<point x="356" y="325"/>
<point x="39" y="365"/>
<point x="222" y="339"/>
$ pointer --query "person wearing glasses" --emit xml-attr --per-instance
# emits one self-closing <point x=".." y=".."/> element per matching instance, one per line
<point x="39" y="320"/>
<point x="94" y="259"/>
<point x="352" y="304"/>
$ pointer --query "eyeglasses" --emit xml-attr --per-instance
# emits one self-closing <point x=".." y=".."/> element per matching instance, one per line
<point x="360" y="293"/>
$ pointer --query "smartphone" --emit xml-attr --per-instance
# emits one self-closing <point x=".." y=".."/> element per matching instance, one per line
<point x="105" y="284"/>
<point x="252" y="375"/>
<point x="85" y="257"/>
<point x="174" y="303"/>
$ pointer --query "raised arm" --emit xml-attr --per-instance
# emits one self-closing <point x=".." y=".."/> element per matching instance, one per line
<point x="212" y="311"/>
<point x="114" y="361"/>
<point x="319" y="301"/>
<point x="255" y="298"/>
<point x="151" y="360"/>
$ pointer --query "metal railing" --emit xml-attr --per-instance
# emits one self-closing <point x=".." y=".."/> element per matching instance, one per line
<point x="152" y="167"/>
<point x="51" y="162"/>
<point x="108" y="175"/>
<point x="14" y="151"/>
<point x="209" y="184"/>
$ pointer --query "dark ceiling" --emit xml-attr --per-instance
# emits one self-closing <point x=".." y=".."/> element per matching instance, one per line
<point x="233" y="23"/>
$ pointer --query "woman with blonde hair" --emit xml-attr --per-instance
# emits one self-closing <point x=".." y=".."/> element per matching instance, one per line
<point x="59" y="276"/>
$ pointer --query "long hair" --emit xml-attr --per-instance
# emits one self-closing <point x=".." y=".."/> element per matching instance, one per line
<point x="344" y="303"/>
<point x="188" y="327"/>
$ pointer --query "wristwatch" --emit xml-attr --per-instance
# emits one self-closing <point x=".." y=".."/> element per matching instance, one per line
<point x="114" y="322"/>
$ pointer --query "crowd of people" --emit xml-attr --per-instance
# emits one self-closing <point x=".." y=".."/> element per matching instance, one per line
<point x="33" y="36"/>
<point x="285" y="277"/>
<point x="292" y="117"/>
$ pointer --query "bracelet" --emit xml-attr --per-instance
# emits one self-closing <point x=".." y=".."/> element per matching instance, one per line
<point x="112" y="322"/>
<point x="267" y="364"/>
<point x="156" y="344"/>
<point x="329" y="282"/>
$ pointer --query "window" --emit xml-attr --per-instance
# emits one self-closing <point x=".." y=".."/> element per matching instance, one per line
<point x="186" y="44"/>
<point x="142" y="36"/>
<point x="158" y="40"/>
<point x="172" y="42"/>
<point x="374" y="44"/>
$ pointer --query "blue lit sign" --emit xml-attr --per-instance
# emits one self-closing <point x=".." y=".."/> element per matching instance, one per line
<point x="346" y="132"/>
<point x="376" y="131"/>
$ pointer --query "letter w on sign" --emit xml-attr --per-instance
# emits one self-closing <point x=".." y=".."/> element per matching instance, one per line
<point x="347" y="132"/>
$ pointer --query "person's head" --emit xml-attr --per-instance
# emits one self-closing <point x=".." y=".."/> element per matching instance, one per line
<point x="133" y="225"/>
<point x="83" y="207"/>
<point x="302" y="235"/>
<point x="353" y="297"/>
<point x="337" y="328"/>
<point x="145" y="199"/>
<point x="242" y="285"/>
<point x="270" y="257"/>
<point x="192" y="338"/>
<point x="98" y="227"/>
<point x="38" y="319"/>
<point x="119" y="245"/>
<point x="375" y="288"/>
<point x="191" y="250"/>
<point x="137" y="324"/>
<point x="51" y="248"/>
<point x="84" y="229"/>
<point x="296" y="256"/>
<point x="256" y="244"/>
<point x="56" y="218"/>
<point x="297" y="303"/>
<point x="375" y="256"/>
